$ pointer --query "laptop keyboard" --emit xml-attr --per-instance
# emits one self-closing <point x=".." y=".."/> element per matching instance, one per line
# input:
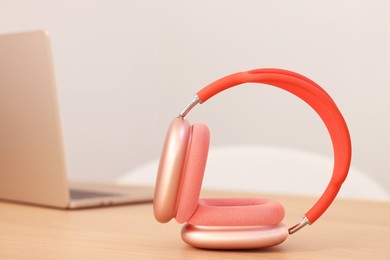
<point x="82" y="194"/>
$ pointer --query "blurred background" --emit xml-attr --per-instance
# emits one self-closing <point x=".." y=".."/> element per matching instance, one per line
<point x="125" y="68"/>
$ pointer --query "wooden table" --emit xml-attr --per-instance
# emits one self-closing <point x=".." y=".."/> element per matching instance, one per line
<point x="349" y="230"/>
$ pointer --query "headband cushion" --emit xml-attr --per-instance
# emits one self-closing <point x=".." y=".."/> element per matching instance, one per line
<point x="237" y="212"/>
<point x="320" y="101"/>
<point x="193" y="172"/>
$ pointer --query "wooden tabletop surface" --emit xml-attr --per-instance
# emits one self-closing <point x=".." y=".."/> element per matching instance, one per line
<point x="350" y="229"/>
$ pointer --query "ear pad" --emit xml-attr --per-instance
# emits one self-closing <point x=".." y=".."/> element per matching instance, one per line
<point x="218" y="212"/>
<point x="237" y="212"/>
<point x="193" y="172"/>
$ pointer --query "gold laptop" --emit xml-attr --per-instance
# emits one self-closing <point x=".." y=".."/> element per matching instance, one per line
<point x="32" y="157"/>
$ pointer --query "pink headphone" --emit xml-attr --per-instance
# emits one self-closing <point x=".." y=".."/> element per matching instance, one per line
<point x="238" y="223"/>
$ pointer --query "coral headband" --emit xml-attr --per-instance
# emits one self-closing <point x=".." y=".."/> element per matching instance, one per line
<point x="318" y="99"/>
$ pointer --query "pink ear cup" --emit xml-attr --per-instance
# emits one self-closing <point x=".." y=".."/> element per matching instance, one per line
<point x="193" y="172"/>
<point x="233" y="237"/>
<point x="170" y="170"/>
<point x="237" y="212"/>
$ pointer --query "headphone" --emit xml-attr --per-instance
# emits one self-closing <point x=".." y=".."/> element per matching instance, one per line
<point x="238" y="223"/>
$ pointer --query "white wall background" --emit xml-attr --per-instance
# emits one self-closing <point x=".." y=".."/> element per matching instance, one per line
<point x="126" y="68"/>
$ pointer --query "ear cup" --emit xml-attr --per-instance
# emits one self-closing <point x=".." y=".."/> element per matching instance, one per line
<point x="170" y="170"/>
<point x="233" y="237"/>
<point x="193" y="172"/>
<point x="237" y="212"/>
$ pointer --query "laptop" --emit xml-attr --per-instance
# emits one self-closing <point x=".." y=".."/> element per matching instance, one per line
<point x="32" y="157"/>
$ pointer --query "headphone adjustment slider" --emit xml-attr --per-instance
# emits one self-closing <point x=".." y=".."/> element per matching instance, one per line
<point x="187" y="109"/>
<point x="298" y="226"/>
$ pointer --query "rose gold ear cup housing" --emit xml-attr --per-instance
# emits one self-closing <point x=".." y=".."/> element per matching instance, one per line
<point x="168" y="189"/>
<point x="170" y="170"/>
<point x="233" y="237"/>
